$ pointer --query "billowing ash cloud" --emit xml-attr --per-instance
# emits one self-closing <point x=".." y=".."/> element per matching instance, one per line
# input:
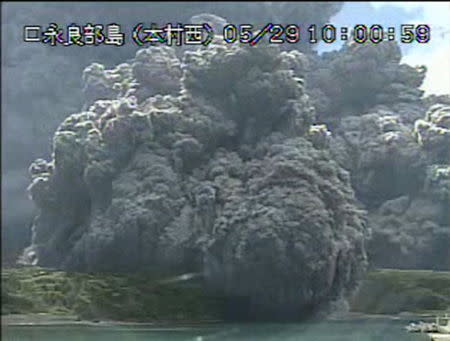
<point x="435" y="54"/>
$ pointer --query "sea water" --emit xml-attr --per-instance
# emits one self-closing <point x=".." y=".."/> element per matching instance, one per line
<point x="354" y="330"/>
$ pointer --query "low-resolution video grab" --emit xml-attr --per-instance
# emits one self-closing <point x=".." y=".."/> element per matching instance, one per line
<point x="225" y="171"/>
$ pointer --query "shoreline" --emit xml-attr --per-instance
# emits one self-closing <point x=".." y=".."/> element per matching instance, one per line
<point x="44" y="319"/>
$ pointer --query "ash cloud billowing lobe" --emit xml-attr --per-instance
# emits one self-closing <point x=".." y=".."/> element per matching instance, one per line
<point x="36" y="98"/>
<point x="221" y="178"/>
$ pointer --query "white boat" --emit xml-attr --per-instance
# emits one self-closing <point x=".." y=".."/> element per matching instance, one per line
<point x="440" y="326"/>
<point x="443" y="329"/>
<point x="443" y="324"/>
<point x="422" y="327"/>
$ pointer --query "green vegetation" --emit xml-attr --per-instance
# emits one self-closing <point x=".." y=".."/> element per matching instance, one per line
<point x="103" y="296"/>
<point x="389" y="291"/>
<point x="143" y="297"/>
